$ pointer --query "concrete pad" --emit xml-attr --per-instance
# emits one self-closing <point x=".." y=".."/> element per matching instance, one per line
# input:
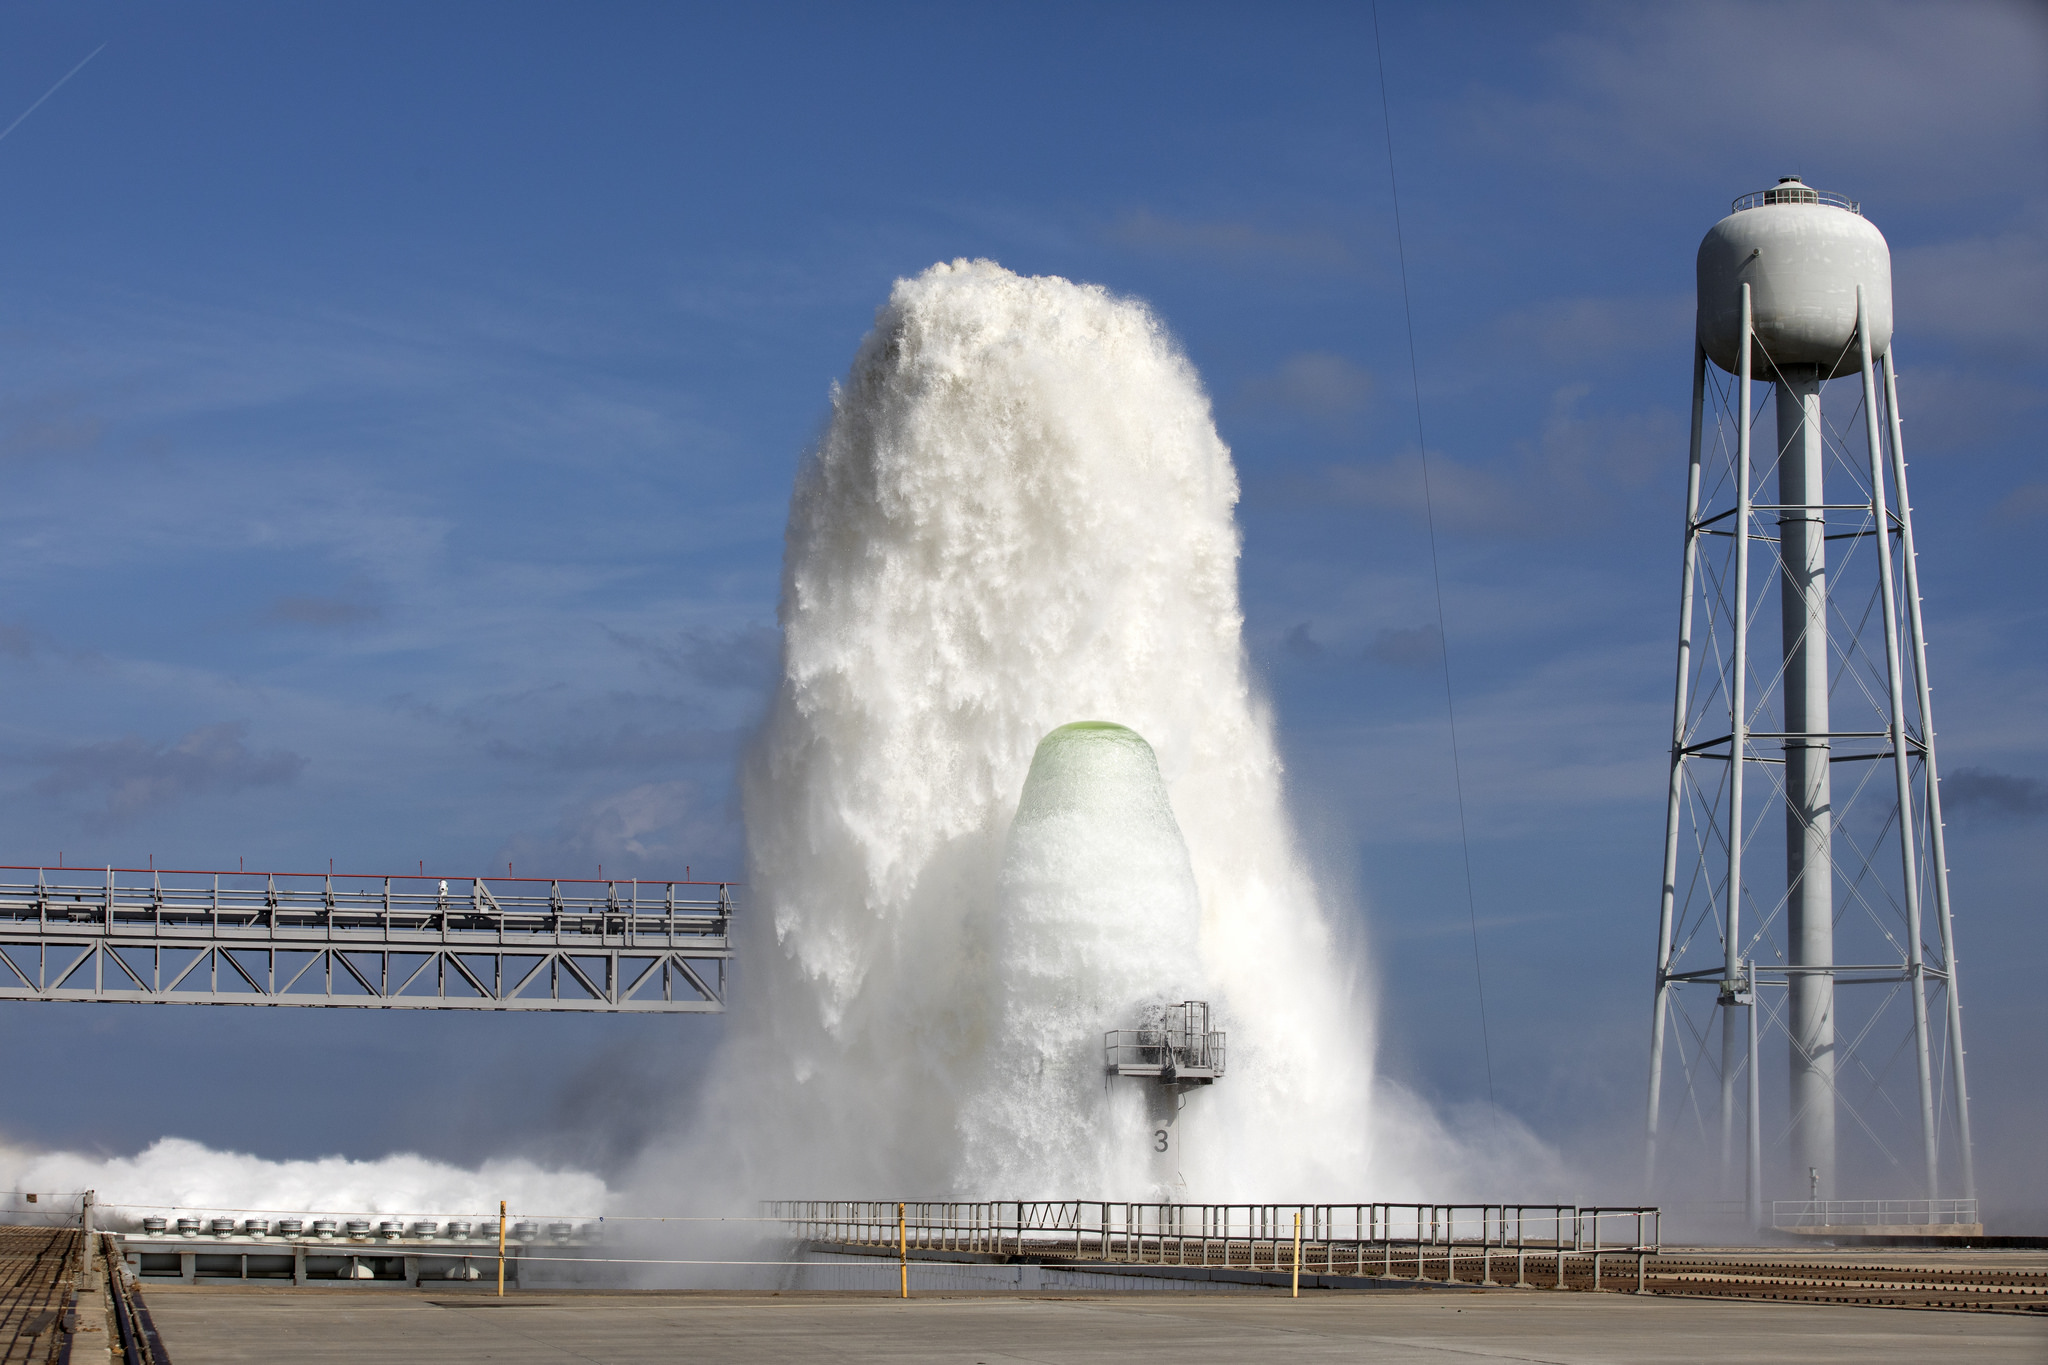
<point x="227" y="1326"/>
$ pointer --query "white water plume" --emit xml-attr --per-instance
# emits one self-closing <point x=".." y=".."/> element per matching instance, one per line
<point x="1020" y="516"/>
<point x="198" y="1181"/>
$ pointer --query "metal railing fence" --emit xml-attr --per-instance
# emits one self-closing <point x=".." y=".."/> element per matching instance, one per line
<point x="1337" y="1239"/>
<point x="1853" y="1213"/>
<point x="1794" y="194"/>
<point x="147" y="903"/>
<point x="1178" y="1042"/>
<point x="1142" y="1050"/>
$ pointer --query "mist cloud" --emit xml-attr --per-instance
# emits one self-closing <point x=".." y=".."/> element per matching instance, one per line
<point x="185" y="1176"/>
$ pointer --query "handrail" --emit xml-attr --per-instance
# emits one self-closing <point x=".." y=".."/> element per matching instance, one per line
<point x="1241" y="1233"/>
<point x="1840" y="1213"/>
<point x="278" y="906"/>
<point x="334" y="940"/>
<point x="1794" y="193"/>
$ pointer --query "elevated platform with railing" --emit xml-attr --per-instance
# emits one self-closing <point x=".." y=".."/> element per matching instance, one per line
<point x="1916" y="1218"/>
<point x="374" y="941"/>
<point x="1554" y="1245"/>
<point x="1178" y="1047"/>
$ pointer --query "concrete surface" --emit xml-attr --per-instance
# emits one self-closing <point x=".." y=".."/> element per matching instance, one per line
<point x="202" y="1326"/>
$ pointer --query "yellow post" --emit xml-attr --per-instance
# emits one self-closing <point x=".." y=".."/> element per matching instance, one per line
<point x="501" y="1248"/>
<point x="1297" y="1255"/>
<point x="903" y="1250"/>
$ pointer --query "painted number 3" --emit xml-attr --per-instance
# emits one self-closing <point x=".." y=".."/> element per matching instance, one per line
<point x="1159" y="1140"/>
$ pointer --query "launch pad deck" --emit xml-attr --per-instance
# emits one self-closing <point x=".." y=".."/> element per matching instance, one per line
<point x="230" y="1325"/>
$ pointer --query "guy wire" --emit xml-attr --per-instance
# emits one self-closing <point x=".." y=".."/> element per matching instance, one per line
<point x="1436" y="571"/>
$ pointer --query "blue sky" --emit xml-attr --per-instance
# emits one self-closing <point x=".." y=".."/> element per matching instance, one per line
<point x="398" y="407"/>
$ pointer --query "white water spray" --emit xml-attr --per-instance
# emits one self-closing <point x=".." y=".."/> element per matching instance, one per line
<point x="178" y="1177"/>
<point x="1019" y="517"/>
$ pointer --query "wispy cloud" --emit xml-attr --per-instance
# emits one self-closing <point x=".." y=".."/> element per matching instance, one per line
<point x="1594" y="756"/>
<point x="1230" y="240"/>
<point x="27" y="644"/>
<point x="1965" y="407"/>
<point x="1572" y="331"/>
<point x="744" y="659"/>
<point x="1461" y="496"/>
<point x="1987" y="293"/>
<point x="626" y="748"/>
<point x="1579" y="460"/>
<point x="650" y="829"/>
<point x="47" y="424"/>
<point x="130" y="776"/>
<point x="2028" y="502"/>
<point x="1315" y="384"/>
<point x="1407" y="647"/>
<point x="1982" y="792"/>
<point x="321" y="611"/>
<point x="1956" y="85"/>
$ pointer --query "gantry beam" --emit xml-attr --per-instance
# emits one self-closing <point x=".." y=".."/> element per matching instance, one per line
<point x="377" y="942"/>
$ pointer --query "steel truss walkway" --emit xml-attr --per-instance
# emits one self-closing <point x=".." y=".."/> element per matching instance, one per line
<point x="380" y="942"/>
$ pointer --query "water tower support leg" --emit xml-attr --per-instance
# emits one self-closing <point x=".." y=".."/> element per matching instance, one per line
<point x="1808" y="786"/>
<point x="1754" y="1191"/>
<point x="1731" y="1067"/>
<point x="1901" y="764"/>
<point x="1738" y="752"/>
<point x="1937" y="840"/>
<point x="1674" y="796"/>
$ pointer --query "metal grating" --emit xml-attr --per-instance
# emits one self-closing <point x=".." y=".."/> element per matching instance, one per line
<point x="36" y="1269"/>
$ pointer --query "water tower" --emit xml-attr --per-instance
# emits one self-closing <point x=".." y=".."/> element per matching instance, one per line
<point x="1805" y="892"/>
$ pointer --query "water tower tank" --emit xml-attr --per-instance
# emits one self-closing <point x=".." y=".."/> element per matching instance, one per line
<point x="1802" y="254"/>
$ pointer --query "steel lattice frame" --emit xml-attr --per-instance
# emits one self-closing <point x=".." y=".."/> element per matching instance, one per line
<point x="366" y="942"/>
<point x="1890" y="865"/>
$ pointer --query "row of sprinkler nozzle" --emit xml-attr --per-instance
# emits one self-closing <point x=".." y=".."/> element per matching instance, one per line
<point x="359" y="1229"/>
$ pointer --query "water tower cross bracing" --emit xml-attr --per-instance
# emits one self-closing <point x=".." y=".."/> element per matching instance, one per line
<point x="1805" y="892"/>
